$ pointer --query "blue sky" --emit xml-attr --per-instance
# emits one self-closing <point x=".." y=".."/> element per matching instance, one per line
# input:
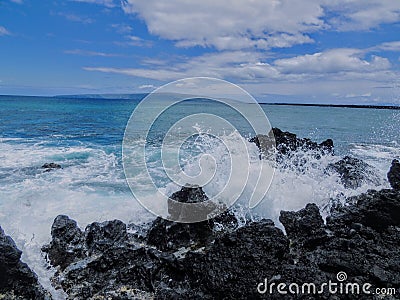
<point x="315" y="51"/>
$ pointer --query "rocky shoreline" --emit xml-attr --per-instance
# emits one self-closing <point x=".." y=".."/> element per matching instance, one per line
<point x="220" y="259"/>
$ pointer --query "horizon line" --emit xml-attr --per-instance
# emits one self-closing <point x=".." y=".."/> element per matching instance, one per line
<point x="87" y="96"/>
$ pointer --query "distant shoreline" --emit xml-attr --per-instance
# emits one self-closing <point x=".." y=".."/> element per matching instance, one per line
<point x="335" y="105"/>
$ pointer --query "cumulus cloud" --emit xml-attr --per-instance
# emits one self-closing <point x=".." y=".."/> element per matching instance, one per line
<point x="238" y="24"/>
<point x="226" y="24"/>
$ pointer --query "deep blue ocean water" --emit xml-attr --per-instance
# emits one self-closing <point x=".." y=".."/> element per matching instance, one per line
<point x="85" y="137"/>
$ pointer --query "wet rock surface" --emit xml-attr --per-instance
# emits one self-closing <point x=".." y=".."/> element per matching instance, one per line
<point x="17" y="281"/>
<point x="50" y="166"/>
<point x="287" y="143"/>
<point x="353" y="172"/>
<point x="394" y="175"/>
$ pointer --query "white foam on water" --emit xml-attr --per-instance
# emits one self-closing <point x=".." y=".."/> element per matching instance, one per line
<point x="91" y="187"/>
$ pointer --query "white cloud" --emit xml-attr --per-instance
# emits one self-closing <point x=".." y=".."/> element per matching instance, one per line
<point x="332" y="61"/>
<point x="90" y="53"/>
<point x="145" y="73"/>
<point x="147" y="86"/>
<point x="239" y="24"/>
<point x="17" y="1"/>
<point x="388" y="46"/>
<point x="235" y="64"/>
<point x="132" y="40"/>
<point x="76" y="18"/>
<point x="352" y="95"/>
<point x="333" y="74"/>
<point x="362" y="14"/>
<point x="106" y="3"/>
<point x="122" y="28"/>
<point x="227" y="24"/>
<point x="245" y="66"/>
<point x="4" y="31"/>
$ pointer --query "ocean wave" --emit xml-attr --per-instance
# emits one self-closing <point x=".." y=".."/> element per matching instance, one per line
<point x="91" y="185"/>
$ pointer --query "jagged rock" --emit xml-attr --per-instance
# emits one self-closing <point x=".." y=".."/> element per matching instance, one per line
<point x="101" y="236"/>
<point x="17" y="281"/>
<point x="122" y="270"/>
<point x="305" y="226"/>
<point x="193" y="195"/>
<point x="353" y="172"/>
<point x="360" y="238"/>
<point x="231" y="267"/>
<point x="66" y="245"/>
<point x="51" y="166"/>
<point x="394" y="175"/>
<point x="287" y="142"/>
<point x="375" y="209"/>
<point x="169" y="235"/>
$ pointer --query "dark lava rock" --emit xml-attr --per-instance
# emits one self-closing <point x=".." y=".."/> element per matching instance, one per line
<point x="194" y="195"/>
<point x="17" y="281"/>
<point x="287" y="143"/>
<point x="305" y="226"/>
<point x="66" y="245"/>
<point x="51" y="166"/>
<point x="119" y="272"/>
<point x="168" y="235"/>
<point x="353" y="172"/>
<point x="375" y="209"/>
<point x="232" y="266"/>
<point x="101" y="236"/>
<point x="394" y="175"/>
<point x="183" y="262"/>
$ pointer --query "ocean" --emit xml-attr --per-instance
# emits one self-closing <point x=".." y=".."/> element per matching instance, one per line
<point x="85" y="137"/>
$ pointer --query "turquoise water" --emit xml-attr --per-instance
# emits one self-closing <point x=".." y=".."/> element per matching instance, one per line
<point x="102" y="121"/>
<point x="85" y="137"/>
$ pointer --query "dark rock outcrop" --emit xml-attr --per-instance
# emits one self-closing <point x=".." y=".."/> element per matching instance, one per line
<point x="101" y="236"/>
<point x="353" y="172"/>
<point x="168" y="235"/>
<point x="50" y="166"/>
<point x="66" y="245"/>
<point x="394" y="175"/>
<point x="178" y="261"/>
<point x="305" y="226"/>
<point x="287" y="143"/>
<point x="17" y="281"/>
<point x="375" y="209"/>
